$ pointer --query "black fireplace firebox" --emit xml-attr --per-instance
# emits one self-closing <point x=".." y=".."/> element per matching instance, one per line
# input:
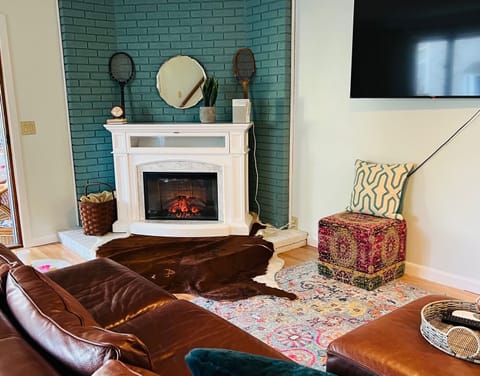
<point x="181" y="195"/>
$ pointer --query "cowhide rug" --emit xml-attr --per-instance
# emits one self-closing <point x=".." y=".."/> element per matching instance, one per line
<point x="220" y="268"/>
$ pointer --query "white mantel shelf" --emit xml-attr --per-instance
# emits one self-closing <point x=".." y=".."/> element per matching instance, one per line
<point x="180" y="127"/>
<point x="171" y="147"/>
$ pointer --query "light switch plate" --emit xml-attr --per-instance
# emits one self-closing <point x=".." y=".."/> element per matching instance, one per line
<point x="28" y="128"/>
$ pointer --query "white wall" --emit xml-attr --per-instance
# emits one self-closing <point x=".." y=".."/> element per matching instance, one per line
<point x="44" y="172"/>
<point x="442" y="205"/>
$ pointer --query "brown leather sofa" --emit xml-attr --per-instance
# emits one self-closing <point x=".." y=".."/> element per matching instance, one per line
<point x="100" y="317"/>
<point x="392" y="345"/>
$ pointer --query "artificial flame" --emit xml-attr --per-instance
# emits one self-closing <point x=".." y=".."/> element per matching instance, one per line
<point x="184" y="207"/>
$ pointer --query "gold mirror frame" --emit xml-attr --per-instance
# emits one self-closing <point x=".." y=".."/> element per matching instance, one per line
<point x="179" y="81"/>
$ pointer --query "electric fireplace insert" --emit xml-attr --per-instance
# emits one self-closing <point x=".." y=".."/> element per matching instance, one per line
<point x="180" y="195"/>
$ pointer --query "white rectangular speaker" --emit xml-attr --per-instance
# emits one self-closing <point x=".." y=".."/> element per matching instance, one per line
<point x="241" y="110"/>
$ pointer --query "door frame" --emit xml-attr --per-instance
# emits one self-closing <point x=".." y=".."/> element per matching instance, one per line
<point x="15" y="145"/>
<point x="10" y="175"/>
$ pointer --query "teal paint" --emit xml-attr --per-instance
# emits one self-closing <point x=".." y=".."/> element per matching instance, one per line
<point x="151" y="32"/>
<point x="270" y="39"/>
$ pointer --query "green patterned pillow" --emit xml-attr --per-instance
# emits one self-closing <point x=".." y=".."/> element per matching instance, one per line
<point x="378" y="188"/>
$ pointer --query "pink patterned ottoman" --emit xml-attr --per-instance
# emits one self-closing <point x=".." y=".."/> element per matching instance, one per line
<point x="360" y="249"/>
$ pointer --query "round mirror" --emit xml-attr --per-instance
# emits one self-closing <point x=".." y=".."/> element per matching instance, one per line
<point x="179" y="81"/>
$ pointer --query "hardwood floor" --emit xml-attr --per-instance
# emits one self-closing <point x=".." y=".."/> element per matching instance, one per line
<point x="291" y="258"/>
<point x="49" y="251"/>
<point x="298" y="256"/>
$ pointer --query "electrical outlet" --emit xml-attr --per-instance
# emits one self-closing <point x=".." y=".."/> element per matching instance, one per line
<point x="28" y="128"/>
<point x="294" y="222"/>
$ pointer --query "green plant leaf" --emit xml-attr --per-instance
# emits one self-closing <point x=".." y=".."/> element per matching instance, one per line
<point x="210" y="91"/>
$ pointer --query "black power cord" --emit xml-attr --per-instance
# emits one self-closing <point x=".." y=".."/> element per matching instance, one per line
<point x="472" y="118"/>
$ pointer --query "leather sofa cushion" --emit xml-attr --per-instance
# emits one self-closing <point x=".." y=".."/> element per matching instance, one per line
<point x="8" y="257"/>
<point x="111" y="292"/>
<point x="17" y="352"/>
<point x="184" y="326"/>
<point x="8" y="260"/>
<point x="4" y="269"/>
<point x="63" y="327"/>
<point x="117" y="368"/>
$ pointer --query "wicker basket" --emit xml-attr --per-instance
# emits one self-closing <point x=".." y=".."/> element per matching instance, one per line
<point x="98" y="217"/>
<point x="458" y="341"/>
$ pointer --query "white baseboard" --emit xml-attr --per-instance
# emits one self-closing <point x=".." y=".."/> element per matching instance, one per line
<point x="312" y="241"/>
<point x="444" y="278"/>
<point x="40" y="241"/>
<point x="431" y="274"/>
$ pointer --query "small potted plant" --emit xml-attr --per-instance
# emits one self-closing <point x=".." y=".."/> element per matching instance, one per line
<point x="208" y="113"/>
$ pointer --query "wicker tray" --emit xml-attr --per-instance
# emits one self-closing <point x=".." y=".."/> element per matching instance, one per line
<point x="458" y="341"/>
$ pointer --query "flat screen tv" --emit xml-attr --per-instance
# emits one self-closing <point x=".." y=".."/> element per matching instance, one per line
<point x="415" y="48"/>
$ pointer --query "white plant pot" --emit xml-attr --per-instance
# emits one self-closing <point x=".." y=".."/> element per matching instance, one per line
<point x="208" y="114"/>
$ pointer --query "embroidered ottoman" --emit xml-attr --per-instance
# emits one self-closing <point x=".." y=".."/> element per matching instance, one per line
<point x="360" y="249"/>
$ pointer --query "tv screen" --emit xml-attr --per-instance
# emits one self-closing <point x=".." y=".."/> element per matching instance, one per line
<point x="415" y="48"/>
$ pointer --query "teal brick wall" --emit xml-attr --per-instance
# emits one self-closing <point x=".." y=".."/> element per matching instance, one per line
<point x="153" y="31"/>
<point x="270" y="40"/>
<point x="88" y="37"/>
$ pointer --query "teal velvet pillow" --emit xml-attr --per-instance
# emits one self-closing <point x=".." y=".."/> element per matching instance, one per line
<point x="220" y="362"/>
<point x="378" y="188"/>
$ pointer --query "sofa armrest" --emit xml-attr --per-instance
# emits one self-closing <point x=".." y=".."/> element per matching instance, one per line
<point x="111" y="292"/>
<point x="118" y="368"/>
<point x="19" y="357"/>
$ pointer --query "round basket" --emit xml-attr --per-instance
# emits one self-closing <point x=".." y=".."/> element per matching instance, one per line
<point x="458" y="341"/>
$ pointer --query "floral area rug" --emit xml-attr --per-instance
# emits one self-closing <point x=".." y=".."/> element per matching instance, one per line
<point x="325" y="309"/>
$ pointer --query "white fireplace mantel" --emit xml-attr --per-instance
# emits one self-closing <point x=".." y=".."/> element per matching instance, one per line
<point x="188" y="147"/>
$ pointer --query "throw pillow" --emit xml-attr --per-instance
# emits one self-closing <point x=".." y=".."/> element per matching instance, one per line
<point x="63" y="327"/>
<point x="221" y="362"/>
<point x="378" y="188"/>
